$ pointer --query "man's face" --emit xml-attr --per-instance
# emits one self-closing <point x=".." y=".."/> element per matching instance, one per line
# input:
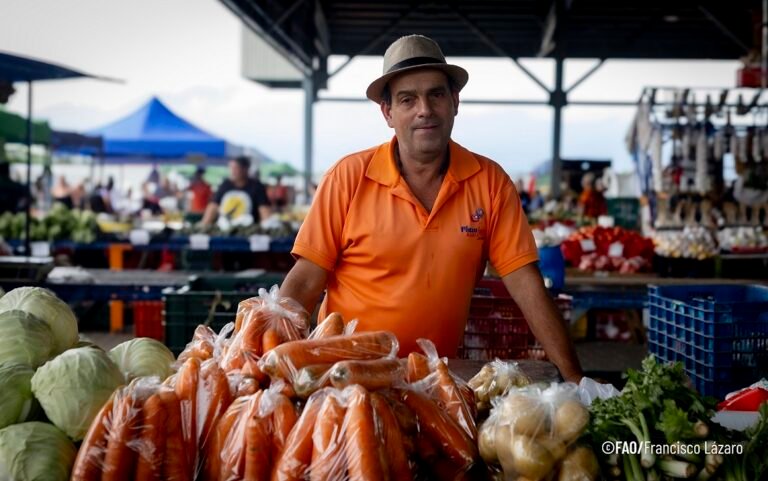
<point x="237" y="172"/>
<point x="422" y="111"/>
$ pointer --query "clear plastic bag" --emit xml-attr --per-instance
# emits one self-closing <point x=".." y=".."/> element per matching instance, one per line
<point x="333" y="325"/>
<point x="531" y="430"/>
<point x="494" y="380"/>
<point x="138" y="434"/>
<point x="287" y="359"/>
<point x="249" y="437"/>
<point x="201" y="346"/>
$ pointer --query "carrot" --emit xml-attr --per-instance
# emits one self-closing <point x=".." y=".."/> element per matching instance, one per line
<point x="244" y="309"/>
<point x="291" y="356"/>
<point x="216" y="452"/>
<point x="406" y="420"/>
<point x="270" y="340"/>
<point x="441" y="428"/>
<point x="451" y="398"/>
<point x="284" y="417"/>
<point x="213" y="398"/>
<point x="186" y="391"/>
<point x="394" y="449"/>
<point x="363" y="460"/>
<point x="281" y="387"/>
<point x="328" y="457"/>
<point x="297" y="455"/>
<point x="119" y="459"/>
<point x="372" y="375"/>
<point x="418" y="367"/>
<point x="333" y="325"/>
<point x="90" y="457"/>
<point x="251" y="368"/>
<point x="177" y="466"/>
<point x="311" y="378"/>
<point x="250" y="337"/>
<point x="247" y="386"/>
<point x="426" y="448"/>
<point x="258" y="443"/>
<point x="152" y="440"/>
<point x="231" y="455"/>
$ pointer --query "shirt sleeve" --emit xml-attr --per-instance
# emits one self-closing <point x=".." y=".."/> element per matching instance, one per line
<point x="260" y="195"/>
<point x="511" y="244"/>
<point x="320" y="237"/>
<point x="223" y="189"/>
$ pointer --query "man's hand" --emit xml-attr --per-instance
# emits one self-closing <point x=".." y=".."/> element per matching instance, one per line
<point x="526" y="287"/>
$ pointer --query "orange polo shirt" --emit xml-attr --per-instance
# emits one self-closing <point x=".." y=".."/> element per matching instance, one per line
<point x="394" y="266"/>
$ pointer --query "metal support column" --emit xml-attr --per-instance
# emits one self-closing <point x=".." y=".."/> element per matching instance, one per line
<point x="28" y="221"/>
<point x="309" y="101"/>
<point x="764" y="60"/>
<point x="558" y="101"/>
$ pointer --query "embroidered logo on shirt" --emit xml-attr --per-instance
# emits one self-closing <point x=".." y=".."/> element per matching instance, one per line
<point x="477" y="215"/>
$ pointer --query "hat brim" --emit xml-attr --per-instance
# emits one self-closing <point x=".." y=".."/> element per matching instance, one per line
<point x="376" y="88"/>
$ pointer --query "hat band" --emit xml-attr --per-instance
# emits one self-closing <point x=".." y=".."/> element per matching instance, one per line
<point x="412" y="62"/>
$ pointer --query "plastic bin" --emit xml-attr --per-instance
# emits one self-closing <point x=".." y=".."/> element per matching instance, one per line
<point x="497" y="328"/>
<point x="719" y="333"/>
<point x="184" y="310"/>
<point x="148" y="319"/>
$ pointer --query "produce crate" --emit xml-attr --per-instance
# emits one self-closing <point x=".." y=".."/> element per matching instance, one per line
<point x="719" y="333"/>
<point x="497" y="328"/>
<point x="148" y="319"/>
<point x="184" y="310"/>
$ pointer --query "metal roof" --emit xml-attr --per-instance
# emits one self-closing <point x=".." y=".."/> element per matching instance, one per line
<point x="630" y="29"/>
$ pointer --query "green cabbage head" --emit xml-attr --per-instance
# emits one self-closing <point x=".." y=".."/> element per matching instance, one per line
<point x="49" y="308"/>
<point x="24" y="339"/>
<point x="143" y="357"/>
<point x="73" y="387"/>
<point x="35" y="452"/>
<point x="16" y="400"/>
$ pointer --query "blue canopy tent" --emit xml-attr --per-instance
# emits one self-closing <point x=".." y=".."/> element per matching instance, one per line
<point x="155" y="134"/>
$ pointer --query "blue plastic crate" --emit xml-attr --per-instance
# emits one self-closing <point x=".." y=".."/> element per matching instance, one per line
<point x="718" y="332"/>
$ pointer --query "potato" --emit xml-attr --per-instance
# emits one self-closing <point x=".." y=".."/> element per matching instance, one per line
<point x="527" y="416"/>
<point x="487" y="442"/>
<point x="555" y="446"/>
<point x="571" y="419"/>
<point x="504" y="438"/>
<point x="579" y="465"/>
<point x="530" y="458"/>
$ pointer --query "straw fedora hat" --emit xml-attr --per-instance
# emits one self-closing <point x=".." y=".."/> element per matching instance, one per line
<point x="410" y="53"/>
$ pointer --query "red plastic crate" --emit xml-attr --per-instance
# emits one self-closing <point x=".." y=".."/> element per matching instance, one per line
<point x="148" y="319"/>
<point x="496" y="328"/>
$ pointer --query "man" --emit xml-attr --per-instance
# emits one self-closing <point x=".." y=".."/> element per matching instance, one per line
<point x="239" y="197"/>
<point x="399" y="234"/>
<point x="200" y="191"/>
<point x="13" y="195"/>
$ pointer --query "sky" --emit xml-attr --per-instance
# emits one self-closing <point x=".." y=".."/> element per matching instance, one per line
<point x="187" y="52"/>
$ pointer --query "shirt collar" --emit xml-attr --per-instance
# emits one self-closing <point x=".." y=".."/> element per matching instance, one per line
<point x="383" y="168"/>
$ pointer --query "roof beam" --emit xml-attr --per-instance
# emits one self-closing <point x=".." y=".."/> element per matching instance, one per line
<point x="723" y="28"/>
<point x="585" y="76"/>
<point x="278" y="30"/>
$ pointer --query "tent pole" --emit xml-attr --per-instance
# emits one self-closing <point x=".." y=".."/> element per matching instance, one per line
<point x="558" y="101"/>
<point x="309" y="101"/>
<point x="27" y="248"/>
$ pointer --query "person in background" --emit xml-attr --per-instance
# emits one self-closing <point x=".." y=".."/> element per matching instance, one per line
<point x="238" y="196"/>
<point x="61" y="192"/>
<point x="13" y="195"/>
<point x="200" y="191"/>
<point x="77" y="196"/>
<point x="99" y="200"/>
<point x="592" y="202"/>
<point x="279" y="194"/>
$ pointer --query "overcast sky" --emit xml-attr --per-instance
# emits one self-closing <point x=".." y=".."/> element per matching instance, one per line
<point x="187" y="52"/>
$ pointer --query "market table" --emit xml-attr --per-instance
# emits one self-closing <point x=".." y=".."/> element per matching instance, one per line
<point x="537" y="371"/>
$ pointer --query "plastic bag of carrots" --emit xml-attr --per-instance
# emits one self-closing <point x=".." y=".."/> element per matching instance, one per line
<point x="136" y="435"/>
<point x="261" y="324"/>
<point x="204" y="392"/>
<point x="250" y="437"/>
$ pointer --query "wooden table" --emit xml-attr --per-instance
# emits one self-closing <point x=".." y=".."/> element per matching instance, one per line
<point x="538" y="371"/>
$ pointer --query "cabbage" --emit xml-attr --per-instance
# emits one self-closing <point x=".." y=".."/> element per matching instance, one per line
<point x="24" y="339"/>
<point x="49" y="308"/>
<point x="73" y="387"/>
<point x="35" y="452"/>
<point x="16" y="400"/>
<point x="143" y="357"/>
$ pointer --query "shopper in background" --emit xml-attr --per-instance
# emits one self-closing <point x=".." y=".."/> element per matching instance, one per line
<point x="13" y="195"/>
<point x="592" y="202"/>
<point x="200" y="192"/>
<point x="279" y="194"/>
<point x="239" y="196"/>
<point x="399" y="234"/>
<point x="61" y="192"/>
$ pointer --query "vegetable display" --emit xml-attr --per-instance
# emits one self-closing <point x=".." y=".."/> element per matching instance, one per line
<point x="35" y="451"/>
<point x="608" y="249"/>
<point x="25" y="339"/>
<point x="143" y="357"/>
<point x="16" y="400"/>
<point x="44" y="305"/>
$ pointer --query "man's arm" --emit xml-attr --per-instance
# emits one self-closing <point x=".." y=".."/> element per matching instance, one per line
<point x="304" y="283"/>
<point x="526" y="287"/>
<point x="264" y="212"/>
<point x="211" y="212"/>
